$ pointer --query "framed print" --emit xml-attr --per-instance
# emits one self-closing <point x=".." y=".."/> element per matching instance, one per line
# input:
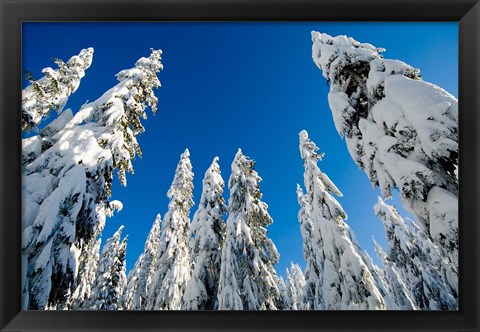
<point x="241" y="165"/>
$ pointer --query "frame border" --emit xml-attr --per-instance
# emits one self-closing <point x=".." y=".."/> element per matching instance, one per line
<point x="14" y="12"/>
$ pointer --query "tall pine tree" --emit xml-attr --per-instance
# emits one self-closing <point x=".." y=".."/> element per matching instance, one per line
<point x="432" y="282"/>
<point x="345" y="281"/>
<point x="295" y="287"/>
<point x="248" y="279"/>
<point x="395" y="286"/>
<point x="110" y="278"/>
<point x="312" y="293"/>
<point x="172" y="266"/>
<point x="206" y="240"/>
<point x="401" y="131"/>
<point x="283" y="301"/>
<point x="66" y="183"/>
<point x="140" y="277"/>
<point x="88" y="263"/>
<point x="51" y="92"/>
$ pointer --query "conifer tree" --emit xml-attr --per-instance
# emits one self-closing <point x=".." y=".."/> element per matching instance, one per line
<point x="295" y="286"/>
<point x="141" y="275"/>
<point x="248" y="280"/>
<point x="383" y="284"/>
<point x="395" y="286"/>
<point x="88" y="262"/>
<point x="312" y="296"/>
<point x="401" y="131"/>
<point x="51" y="92"/>
<point x="283" y="301"/>
<point x="207" y="235"/>
<point x="172" y="266"/>
<point x="345" y="282"/>
<point x="432" y="283"/>
<point x="110" y="278"/>
<point x="66" y="184"/>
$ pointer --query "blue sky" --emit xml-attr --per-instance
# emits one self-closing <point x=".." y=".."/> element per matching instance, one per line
<point x="238" y="85"/>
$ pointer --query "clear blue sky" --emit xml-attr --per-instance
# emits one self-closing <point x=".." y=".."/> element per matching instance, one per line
<point x="238" y="85"/>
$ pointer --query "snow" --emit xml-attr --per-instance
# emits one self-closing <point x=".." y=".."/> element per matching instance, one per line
<point x="140" y="277"/>
<point x="418" y="263"/>
<point x="207" y="234"/>
<point x="248" y="279"/>
<point x="402" y="131"/>
<point x="337" y="277"/>
<point x="52" y="90"/>
<point x="73" y="183"/>
<point x="172" y="262"/>
<point x="68" y="168"/>
<point x="443" y="206"/>
<point x="31" y="148"/>
<point x="110" y="279"/>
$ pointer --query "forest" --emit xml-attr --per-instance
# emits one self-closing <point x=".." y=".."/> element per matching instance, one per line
<point x="400" y="130"/>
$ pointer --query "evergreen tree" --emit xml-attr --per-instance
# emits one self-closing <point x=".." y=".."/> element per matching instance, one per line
<point x="401" y="131"/>
<point x="283" y="301"/>
<point x="141" y="275"/>
<point x="295" y="287"/>
<point x="33" y="146"/>
<point x="396" y="288"/>
<point x="173" y="268"/>
<point x="383" y="284"/>
<point x="51" y="92"/>
<point x="312" y="297"/>
<point x="345" y="282"/>
<point x="110" y="278"/>
<point x="66" y="184"/>
<point x="206" y="240"/>
<point x="248" y="280"/>
<point x="88" y="262"/>
<point x="431" y="281"/>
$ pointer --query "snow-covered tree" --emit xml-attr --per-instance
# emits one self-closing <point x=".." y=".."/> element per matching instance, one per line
<point x="431" y="281"/>
<point x="33" y="146"/>
<point x="140" y="277"/>
<point x="312" y="298"/>
<point x="66" y="184"/>
<point x="51" y="92"/>
<point x="283" y="300"/>
<point x="344" y="280"/>
<point x="207" y="235"/>
<point x="248" y="279"/>
<point x="172" y="266"/>
<point x="88" y="262"/>
<point x="396" y="288"/>
<point x="383" y="284"/>
<point x="110" y="277"/>
<point x="402" y="131"/>
<point x="295" y="287"/>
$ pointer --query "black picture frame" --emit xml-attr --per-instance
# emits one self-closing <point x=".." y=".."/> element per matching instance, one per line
<point x="14" y="12"/>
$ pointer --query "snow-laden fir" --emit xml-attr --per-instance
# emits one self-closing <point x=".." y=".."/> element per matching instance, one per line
<point x="402" y="131"/>
<point x="283" y="301"/>
<point x="51" y="92"/>
<point x="172" y="265"/>
<point x="294" y="286"/>
<point x="67" y="175"/>
<point x="207" y="232"/>
<point x="430" y="281"/>
<point x="337" y="278"/>
<point x="247" y="274"/>
<point x="140" y="277"/>
<point x="396" y="288"/>
<point x="87" y="273"/>
<point x="110" y="277"/>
